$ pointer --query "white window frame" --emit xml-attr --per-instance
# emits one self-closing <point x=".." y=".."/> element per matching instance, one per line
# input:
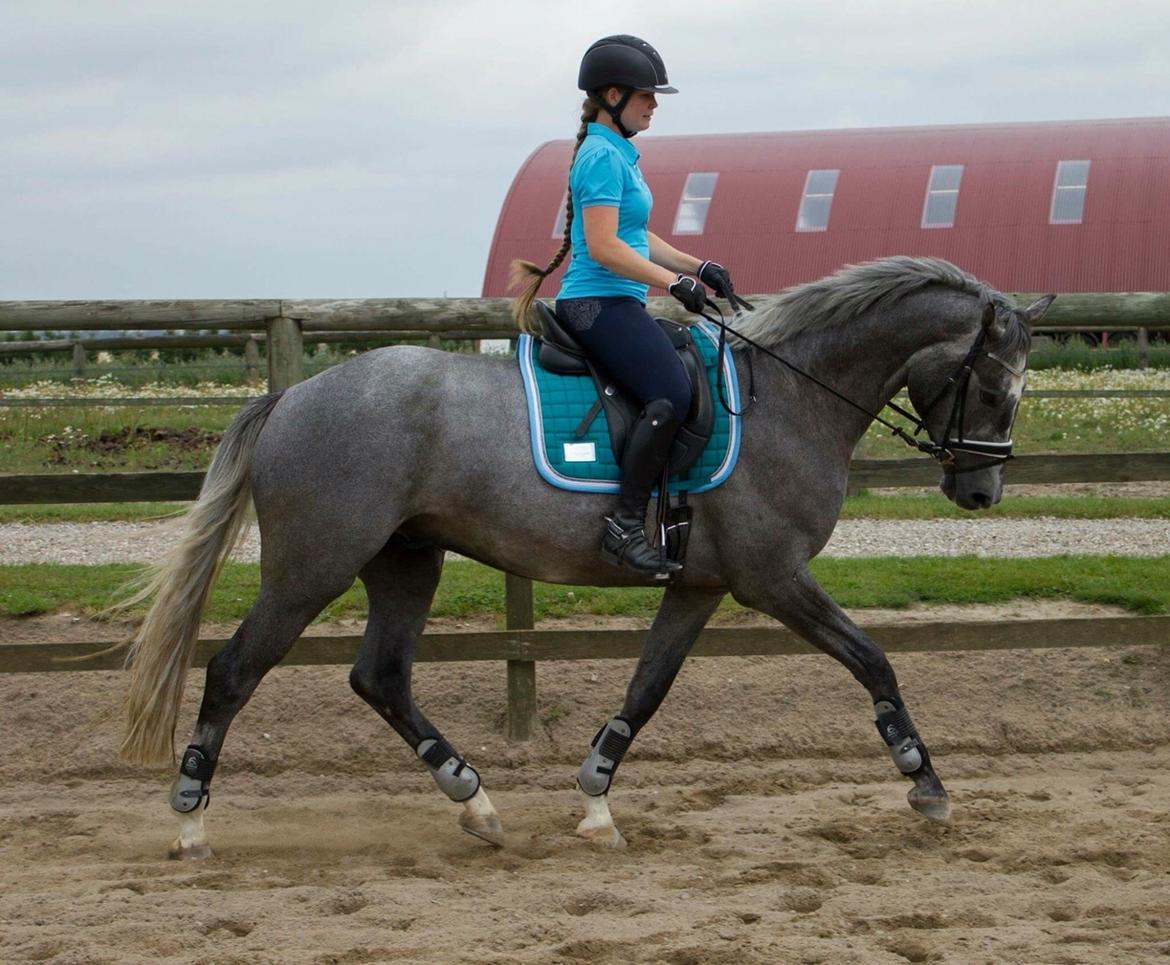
<point x="1057" y="187"/>
<point x="805" y="196"/>
<point x="932" y="191"/>
<point x="696" y="205"/>
<point x="562" y="213"/>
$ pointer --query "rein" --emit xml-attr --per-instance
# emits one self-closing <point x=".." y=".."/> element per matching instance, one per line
<point x="944" y="453"/>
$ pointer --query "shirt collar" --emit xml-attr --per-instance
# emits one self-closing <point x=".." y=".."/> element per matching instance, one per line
<point x="623" y="144"/>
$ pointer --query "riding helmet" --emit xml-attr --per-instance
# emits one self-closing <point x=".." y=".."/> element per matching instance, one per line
<point x="623" y="61"/>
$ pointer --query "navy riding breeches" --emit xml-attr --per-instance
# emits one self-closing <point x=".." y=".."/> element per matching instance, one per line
<point x="630" y="347"/>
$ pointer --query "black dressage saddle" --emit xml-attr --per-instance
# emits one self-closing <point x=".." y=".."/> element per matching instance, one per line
<point x="561" y="353"/>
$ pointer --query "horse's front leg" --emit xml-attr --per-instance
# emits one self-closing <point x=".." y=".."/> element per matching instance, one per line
<point x="681" y="616"/>
<point x="801" y="604"/>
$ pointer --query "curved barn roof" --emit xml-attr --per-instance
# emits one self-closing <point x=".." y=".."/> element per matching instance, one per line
<point x="1021" y="220"/>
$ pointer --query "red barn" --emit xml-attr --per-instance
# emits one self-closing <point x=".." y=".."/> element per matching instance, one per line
<point x="1059" y="206"/>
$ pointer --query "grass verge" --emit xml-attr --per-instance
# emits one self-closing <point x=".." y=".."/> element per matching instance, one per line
<point x="889" y="504"/>
<point x="469" y="589"/>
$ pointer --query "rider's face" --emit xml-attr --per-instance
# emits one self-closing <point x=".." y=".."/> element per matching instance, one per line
<point x="639" y="110"/>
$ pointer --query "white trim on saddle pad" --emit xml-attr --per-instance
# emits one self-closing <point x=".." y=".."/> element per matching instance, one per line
<point x="536" y="423"/>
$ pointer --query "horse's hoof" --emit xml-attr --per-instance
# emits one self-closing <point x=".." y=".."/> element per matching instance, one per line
<point x="190" y="852"/>
<point x="486" y="827"/>
<point x="935" y="805"/>
<point x="606" y="836"/>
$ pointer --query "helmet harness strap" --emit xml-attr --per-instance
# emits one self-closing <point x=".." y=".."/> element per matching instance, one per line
<point x="616" y="110"/>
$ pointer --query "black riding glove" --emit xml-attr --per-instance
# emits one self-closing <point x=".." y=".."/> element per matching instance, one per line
<point x="690" y="293"/>
<point x="717" y="278"/>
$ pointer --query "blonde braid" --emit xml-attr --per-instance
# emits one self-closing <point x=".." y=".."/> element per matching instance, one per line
<point x="527" y="276"/>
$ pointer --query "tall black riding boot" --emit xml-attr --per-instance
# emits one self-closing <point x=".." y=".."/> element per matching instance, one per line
<point x="647" y="449"/>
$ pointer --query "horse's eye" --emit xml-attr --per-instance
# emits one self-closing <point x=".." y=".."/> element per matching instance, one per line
<point x="990" y="398"/>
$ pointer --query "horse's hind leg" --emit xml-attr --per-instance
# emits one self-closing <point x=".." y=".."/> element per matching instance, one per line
<point x="808" y="610"/>
<point x="277" y="618"/>
<point x="683" y="614"/>
<point x="400" y="583"/>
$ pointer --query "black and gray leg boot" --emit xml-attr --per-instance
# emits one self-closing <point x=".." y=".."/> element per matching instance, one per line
<point x="624" y="542"/>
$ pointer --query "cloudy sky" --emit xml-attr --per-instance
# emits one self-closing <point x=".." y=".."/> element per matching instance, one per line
<point x="363" y="149"/>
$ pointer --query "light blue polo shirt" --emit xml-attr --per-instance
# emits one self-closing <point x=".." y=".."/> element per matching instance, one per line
<point x="605" y="172"/>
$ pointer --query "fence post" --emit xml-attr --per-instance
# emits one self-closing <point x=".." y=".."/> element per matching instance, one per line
<point x="286" y="353"/>
<point x="1143" y="348"/>
<point x="78" y="361"/>
<point x="521" y="673"/>
<point x="251" y="361"/>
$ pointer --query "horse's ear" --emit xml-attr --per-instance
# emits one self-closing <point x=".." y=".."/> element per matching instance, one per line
<point x="993" y="322"/>
<point x="1034" y="312"/>
<point x="988" y="317"/>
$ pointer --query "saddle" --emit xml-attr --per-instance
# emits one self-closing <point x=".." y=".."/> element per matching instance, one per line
<point x="560" y="353"/>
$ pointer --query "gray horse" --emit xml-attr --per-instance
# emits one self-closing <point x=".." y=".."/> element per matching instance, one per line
<point x="376" y="468"/>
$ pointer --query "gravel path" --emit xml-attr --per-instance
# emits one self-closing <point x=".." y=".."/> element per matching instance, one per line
<point x="132" y="542"/>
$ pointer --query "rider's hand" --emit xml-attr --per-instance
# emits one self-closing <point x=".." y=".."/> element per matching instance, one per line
<point x="717" y="278"/>
<point x="690" y="293"/>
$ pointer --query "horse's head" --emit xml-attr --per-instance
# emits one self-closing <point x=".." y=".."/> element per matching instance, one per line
<point x="967" y="400"/>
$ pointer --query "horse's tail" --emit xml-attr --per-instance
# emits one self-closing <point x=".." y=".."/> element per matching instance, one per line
<point x="162" y="650"/>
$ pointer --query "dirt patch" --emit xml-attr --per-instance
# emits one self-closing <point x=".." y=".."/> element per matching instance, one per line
<point x="764" y="818"/>
<point x="110" y="448"/>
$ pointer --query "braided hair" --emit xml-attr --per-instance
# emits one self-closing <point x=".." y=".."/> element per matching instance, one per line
<point x="527" y="277"/>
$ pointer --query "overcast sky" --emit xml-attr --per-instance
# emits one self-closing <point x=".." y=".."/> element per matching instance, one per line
<point x="363" y="149"/>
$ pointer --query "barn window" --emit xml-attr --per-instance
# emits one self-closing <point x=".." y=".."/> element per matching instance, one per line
<point x="817" y="200"/>
<point x="696" y="199"/>
<point x="942" y="196"/>
<point x="559" y="223"/>
<point x="1068" y="193"/>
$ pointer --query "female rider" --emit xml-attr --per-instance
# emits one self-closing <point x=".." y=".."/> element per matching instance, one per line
<point x="615" y="259"/>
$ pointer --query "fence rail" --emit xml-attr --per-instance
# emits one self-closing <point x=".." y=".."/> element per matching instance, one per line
<point x="139" y="487"/>
<point x="529" y="645"/>
<point x="1123" y="309"/>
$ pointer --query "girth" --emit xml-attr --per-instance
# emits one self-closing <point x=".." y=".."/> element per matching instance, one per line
<point x="561" y="353"/>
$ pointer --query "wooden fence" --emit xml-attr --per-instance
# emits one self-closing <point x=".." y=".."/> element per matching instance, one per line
<point x="286" y="324"/>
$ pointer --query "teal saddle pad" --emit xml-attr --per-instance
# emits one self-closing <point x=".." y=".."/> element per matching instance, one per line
<point x="557" y="404"/>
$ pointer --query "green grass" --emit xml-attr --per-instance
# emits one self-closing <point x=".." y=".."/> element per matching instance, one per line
<point x="888" y="504"/>
<point x="1077" y="354"/>
<point x="933" y="505"/>
<point x="89" y="512"/>
<point x="471" y="590"/>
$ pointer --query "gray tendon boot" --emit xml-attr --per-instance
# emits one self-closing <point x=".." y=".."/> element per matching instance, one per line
<point x="647" y="449"/>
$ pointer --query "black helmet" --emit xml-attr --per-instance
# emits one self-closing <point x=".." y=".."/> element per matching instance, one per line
<point x="623" y="61"/>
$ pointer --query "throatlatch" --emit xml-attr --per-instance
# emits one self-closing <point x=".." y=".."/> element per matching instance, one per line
<point x="455" y="777"/>
<point x="192" y="785"/>
<point x="897" y="730"/>
<point x="609" y="747"/>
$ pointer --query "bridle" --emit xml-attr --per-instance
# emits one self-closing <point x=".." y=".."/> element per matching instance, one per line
<point x="954" y="440"/>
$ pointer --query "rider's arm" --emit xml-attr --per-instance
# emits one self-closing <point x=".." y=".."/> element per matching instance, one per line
<point x="670" y="257"/>
<point x="609" y="251"/>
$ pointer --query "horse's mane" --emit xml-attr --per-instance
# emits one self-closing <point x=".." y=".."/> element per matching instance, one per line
<point x="842" y="296"/>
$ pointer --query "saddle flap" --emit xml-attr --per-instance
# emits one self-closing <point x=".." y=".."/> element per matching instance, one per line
<point x="559" y="351"/>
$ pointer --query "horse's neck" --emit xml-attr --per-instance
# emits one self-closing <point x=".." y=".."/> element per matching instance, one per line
<point x="865" y="360"/>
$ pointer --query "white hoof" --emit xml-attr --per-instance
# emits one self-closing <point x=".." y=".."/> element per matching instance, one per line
<point x="479" y="818"/>
<point x="191" y="844"/>
<point x="189" y="852"/>
<point x="597" y="826"/>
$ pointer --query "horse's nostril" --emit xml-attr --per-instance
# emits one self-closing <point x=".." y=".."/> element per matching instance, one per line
<point x="981" y="500"/>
